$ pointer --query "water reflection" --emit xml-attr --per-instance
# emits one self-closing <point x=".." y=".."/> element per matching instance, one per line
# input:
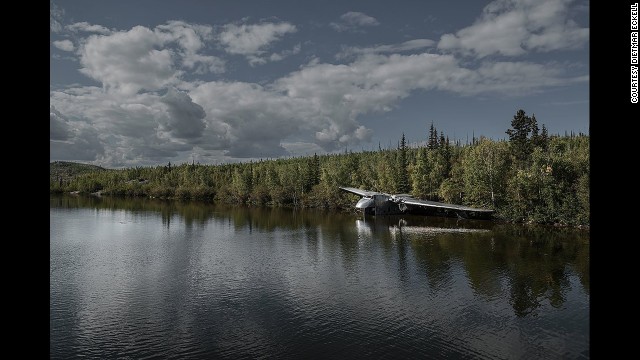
<point x="238" y="281"/>
<point x="536" y="261"/>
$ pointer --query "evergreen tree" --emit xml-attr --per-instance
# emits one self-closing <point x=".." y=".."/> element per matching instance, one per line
<point x="432" y="142"/>
<point x="523" y="128"/>
<point x="446" y="152"/>
<point x="543" y="139"/>
<point x="402" y="183"/>
<point x="312" y="172"/>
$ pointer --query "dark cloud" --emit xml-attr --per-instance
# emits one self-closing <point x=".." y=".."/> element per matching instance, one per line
<point x="83" y="146"/>
<point x="185" y="118"/>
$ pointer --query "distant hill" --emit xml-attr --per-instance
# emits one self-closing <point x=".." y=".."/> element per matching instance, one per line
<point x="67" y="169"/>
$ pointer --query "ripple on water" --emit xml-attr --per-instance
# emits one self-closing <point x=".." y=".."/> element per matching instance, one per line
<point x="214" y="289"/>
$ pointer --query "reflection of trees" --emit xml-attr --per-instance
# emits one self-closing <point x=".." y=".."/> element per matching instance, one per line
<point x="194" y="212"/>
<point x="532" y="264"/>
<point x="435" y="260"/>
<point x="539" y="266"/>
<point x="536" y="261"/>
<point x="484" y="257"/>
<point x="536" y="275"/>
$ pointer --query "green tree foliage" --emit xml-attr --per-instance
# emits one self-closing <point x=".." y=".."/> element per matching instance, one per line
<point x="420" y="175"/>
<point x="485" y="169"/>
<point x="532" y="177"/>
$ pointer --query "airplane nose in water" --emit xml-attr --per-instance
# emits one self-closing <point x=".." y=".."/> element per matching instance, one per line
<point x="364" y="203"/>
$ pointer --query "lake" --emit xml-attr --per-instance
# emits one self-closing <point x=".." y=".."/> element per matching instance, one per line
<point x="145" y="278"/>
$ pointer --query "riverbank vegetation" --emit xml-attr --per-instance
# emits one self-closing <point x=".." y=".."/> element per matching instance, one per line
<point x="530" y="177"/>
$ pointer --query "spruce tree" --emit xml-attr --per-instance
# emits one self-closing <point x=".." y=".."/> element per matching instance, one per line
<point x="402" y="185"/>
<point x="432" y="142"/>
<point x="522" y="126"/>
<point x="544" y="138"/>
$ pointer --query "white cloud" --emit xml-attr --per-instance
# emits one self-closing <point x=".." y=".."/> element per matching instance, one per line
<point x="392" y="48"/>
<point x="88" y="28"/>
<point x="128" y="61"/>
<point x="285" y="53"/>
<point x="65" y="45"/>
<point x="318" y="104"/>
<point x="334" y="96"/>
<point x="202" y="64"/>
<point x="256" y="60"/>
<point x="252" y="41"/>
<point x="511" y="79"/>
<point x="191" y="38"/>
<point x="353" y="20"/>
<point x="143" y="59"/>
<point x="514" y="27"/>
<point x="253" y="119"/>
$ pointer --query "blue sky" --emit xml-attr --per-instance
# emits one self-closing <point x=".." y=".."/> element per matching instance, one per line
<point x="136" y="83"/>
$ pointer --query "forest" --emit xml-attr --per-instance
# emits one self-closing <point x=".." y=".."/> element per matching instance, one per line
<point x="529" y="177"/>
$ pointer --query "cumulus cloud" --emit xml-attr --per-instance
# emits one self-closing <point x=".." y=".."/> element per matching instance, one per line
<point x="128" y="61"/>
<point x="252" y="118"/>
<point x="318" y="104"/>
<point x="148" y="111"/>
<point x="121" y="131"/>
<point x="145" y="59"/>
<point x="191" y="38"/>
<point x="185" y="118"/>
<point x="88" y="28"/>
<point x="253" y="40"/>
<point x="514" y="27"/>
<point x="64" y="45"/>
<point x="353" y="20"/>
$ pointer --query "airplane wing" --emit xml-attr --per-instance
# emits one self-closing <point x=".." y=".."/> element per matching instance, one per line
<point x="359" y="191"/>
<point x="436" y="204"/>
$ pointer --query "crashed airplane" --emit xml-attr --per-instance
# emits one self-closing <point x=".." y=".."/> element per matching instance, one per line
<point x="377" y="203"/>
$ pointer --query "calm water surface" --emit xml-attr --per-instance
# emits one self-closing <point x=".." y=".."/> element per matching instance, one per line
<point x="151" y="279"/>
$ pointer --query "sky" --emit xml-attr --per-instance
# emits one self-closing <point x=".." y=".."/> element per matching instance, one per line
<point x="145" y="83"/>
